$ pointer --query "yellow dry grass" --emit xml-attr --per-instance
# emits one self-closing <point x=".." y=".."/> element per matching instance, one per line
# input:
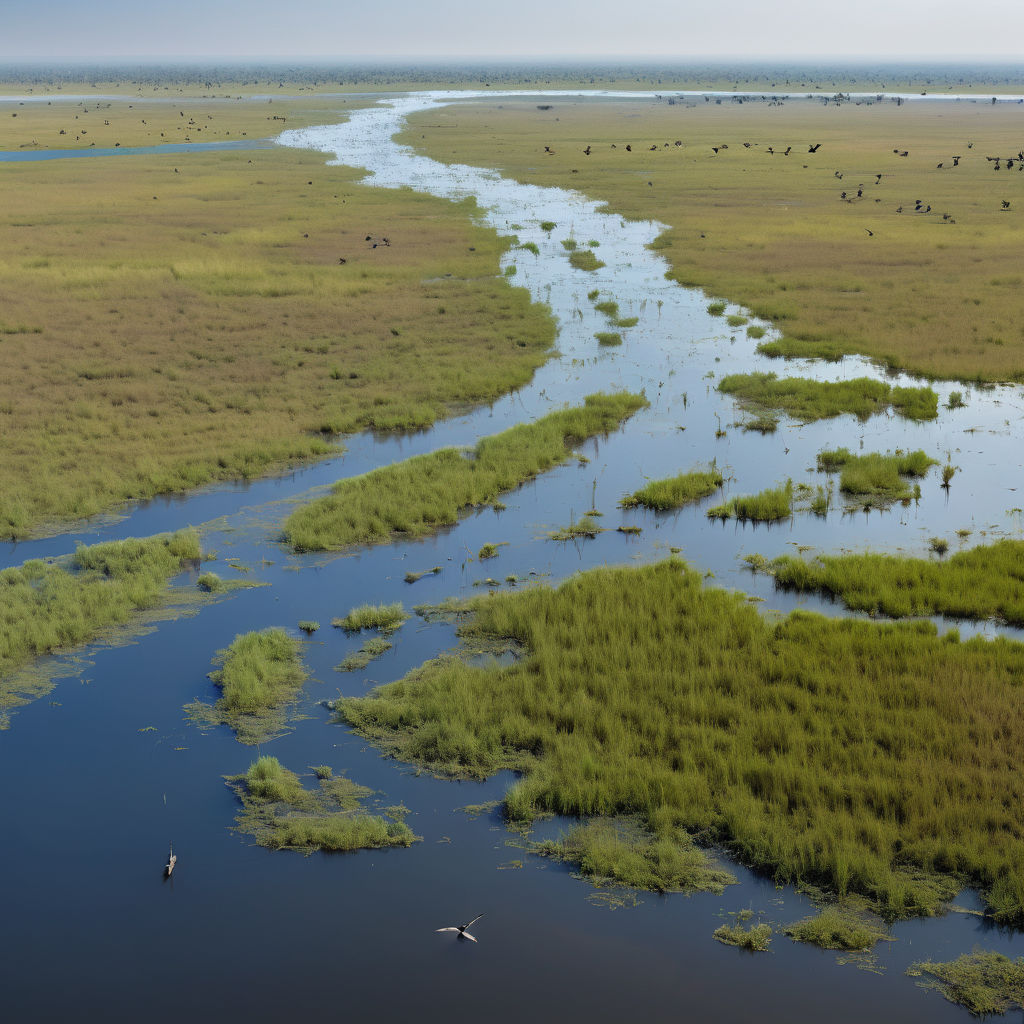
<point x="933" y="294"/>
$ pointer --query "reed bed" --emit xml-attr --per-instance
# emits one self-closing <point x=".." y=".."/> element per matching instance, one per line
<point x="385" y="617"/>
<point x="372" y="649"/>
<point x="280" y="813"/>
<point x="415" y="497"/>
<point x="261" y="675"/>
<point x="676" y="491"/>
<point x="810" y="400"/>
<point x="755" y="938"/>
<point x="985" y="582"/>
<point x="53" y="606"/>
<point x="838" y="928"/>
<point x="642" y="692"/>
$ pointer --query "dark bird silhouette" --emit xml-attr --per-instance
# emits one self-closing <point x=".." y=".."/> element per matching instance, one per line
<point x="714" y="149"/>
<point x="1006" y="204"/>
<point x="654" y="148"/>
<point x="871" y="233"/>
<point x="461" y="929"/>
<point x="586" y="152"/>
<point x="938" y="167"/>
<point x="772" y="151"/>
<point x="547" y="149"/>
<point x="814" y="148"/>
<point x="629" y="149"/>
<point x="341" y="259"/>
<point x="956" y="161"/>
<point x="899" y="209"/>
<point x="860" y="192"/>
<point x="878" y="179"/>
<point x="838" y="174"/>
<point x="789" y="149"/>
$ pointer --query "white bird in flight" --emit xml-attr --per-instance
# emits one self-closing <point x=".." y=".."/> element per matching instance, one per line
<point x="461" y="929"/>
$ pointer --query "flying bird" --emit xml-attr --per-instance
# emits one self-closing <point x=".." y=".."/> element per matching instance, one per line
<point x="461" y="929"/>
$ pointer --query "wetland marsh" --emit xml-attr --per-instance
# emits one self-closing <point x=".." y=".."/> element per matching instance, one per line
<point x="123" y="717"/>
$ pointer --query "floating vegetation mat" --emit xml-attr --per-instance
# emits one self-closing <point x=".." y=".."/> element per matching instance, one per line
<point x="673" y="493"/>
<point x="278" y="812"/>
<point x="260" y="677"/>
<point x="983" y="982"/>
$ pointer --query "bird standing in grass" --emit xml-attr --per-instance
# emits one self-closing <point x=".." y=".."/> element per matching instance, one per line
<point x="461" y="929"/>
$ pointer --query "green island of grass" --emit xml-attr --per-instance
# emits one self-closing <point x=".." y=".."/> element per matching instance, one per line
<point x="419" y="495"/>
<point x="810" y="400"/>
<point x="261" y="674"/>
<point x="676" y="491"/>
<point x="838" y="928"/>
<point x="584" y="259"/>
<point x="279" y="813"/>
<point x="385" y="617"/>
<point x="49" y="607"/>
<point x="755" y="938"/>
<point x="985" y="582"/>
<point x="373" y="648"/>
<point x="768" y="506"/>
<point x="875" y="479"/>
<point x="984" y="982"/>
<point x="585" y="527"/>
<point x="640" y="692"/>
<point x="794" y="348"/>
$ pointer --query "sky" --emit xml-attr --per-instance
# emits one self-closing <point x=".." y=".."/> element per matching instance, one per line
<point x="360" y="29"/>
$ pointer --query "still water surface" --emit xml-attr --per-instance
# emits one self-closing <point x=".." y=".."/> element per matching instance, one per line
<point x="90" y="800"/>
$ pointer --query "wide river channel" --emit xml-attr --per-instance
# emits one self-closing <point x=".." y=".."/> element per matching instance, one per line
<point x="100" y="774"/>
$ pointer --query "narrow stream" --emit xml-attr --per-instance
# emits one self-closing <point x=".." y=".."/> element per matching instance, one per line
<point x="103" y="772"/>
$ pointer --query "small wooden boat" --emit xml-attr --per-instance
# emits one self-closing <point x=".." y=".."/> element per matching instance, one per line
<point x="171" y="861"/>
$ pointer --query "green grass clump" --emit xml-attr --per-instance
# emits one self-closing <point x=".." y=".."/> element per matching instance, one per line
<point x="956" y="400"/>
<point x="875" y="478"/>
<point x="755" y="331"/>
<point x="373" y="648"/>
<point x="792" y="348"/>
<point x="613" y="852"/>
<point x="489" y="550"/>
<point x="418" y="495"/>
<point x="531" y="247"/>
<point x="763" y="423"/>
<point x="413" y="577"/>
<point x="608" y="338"/>
<point x="261" y="674"/>
<point x="835" y="928"/>
<point x="309" y="626"/>
<point x="769" y="505"/>
<point x="984" y="982"/>
<point x="279" y="813"/>
<point x="983" y="583"/>
<point x="586" y="526"/>
<point x="716" y="308"/>
<point x="210" y="582"/>
<point x="548" y="225"/>
<point x="54" y="606"/>
<point x="642" y="692"/>
<point x="757" y="938"/>
<point x="385" y="617"/>
<point x="584" y="259"/>
<point x="662" y="495"/>
<point x="810" y="400"/>
<point x="609" y="307"/>
<point x="625" y="321"/>
<point x="569" y="244"/>
<point x="735" y="320"/>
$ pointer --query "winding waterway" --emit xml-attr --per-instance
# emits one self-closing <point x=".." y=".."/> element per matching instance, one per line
<point x="102" y="773"/>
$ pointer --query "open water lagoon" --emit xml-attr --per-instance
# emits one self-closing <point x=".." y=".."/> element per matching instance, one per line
<point x="104" y="771"/>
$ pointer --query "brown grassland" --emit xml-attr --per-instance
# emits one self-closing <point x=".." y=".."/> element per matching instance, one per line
<point x="166" y="321"/>
<point x="934" y="295"/>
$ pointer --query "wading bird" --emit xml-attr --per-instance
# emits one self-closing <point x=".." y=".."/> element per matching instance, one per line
<point x="461" y="929"/>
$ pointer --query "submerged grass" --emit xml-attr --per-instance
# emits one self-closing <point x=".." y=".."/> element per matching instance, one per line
<point x="662" y="495"/>
<point x="53" y="606"/>
<point x="373" y="648"/>
<point x="279" y="813"/>
<point x="984" y="982"/>
<point x="642" y="692"/>
<point x="261" y="674"/>
<point x="874" y="478"/>
<point x="419" y="495"/>
<point x="985" y="582"/>
<point x="586" y="526"/>
<point x="810" y="400"/>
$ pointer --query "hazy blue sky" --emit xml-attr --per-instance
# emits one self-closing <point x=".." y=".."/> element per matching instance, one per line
<point x="543" y="28"/>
